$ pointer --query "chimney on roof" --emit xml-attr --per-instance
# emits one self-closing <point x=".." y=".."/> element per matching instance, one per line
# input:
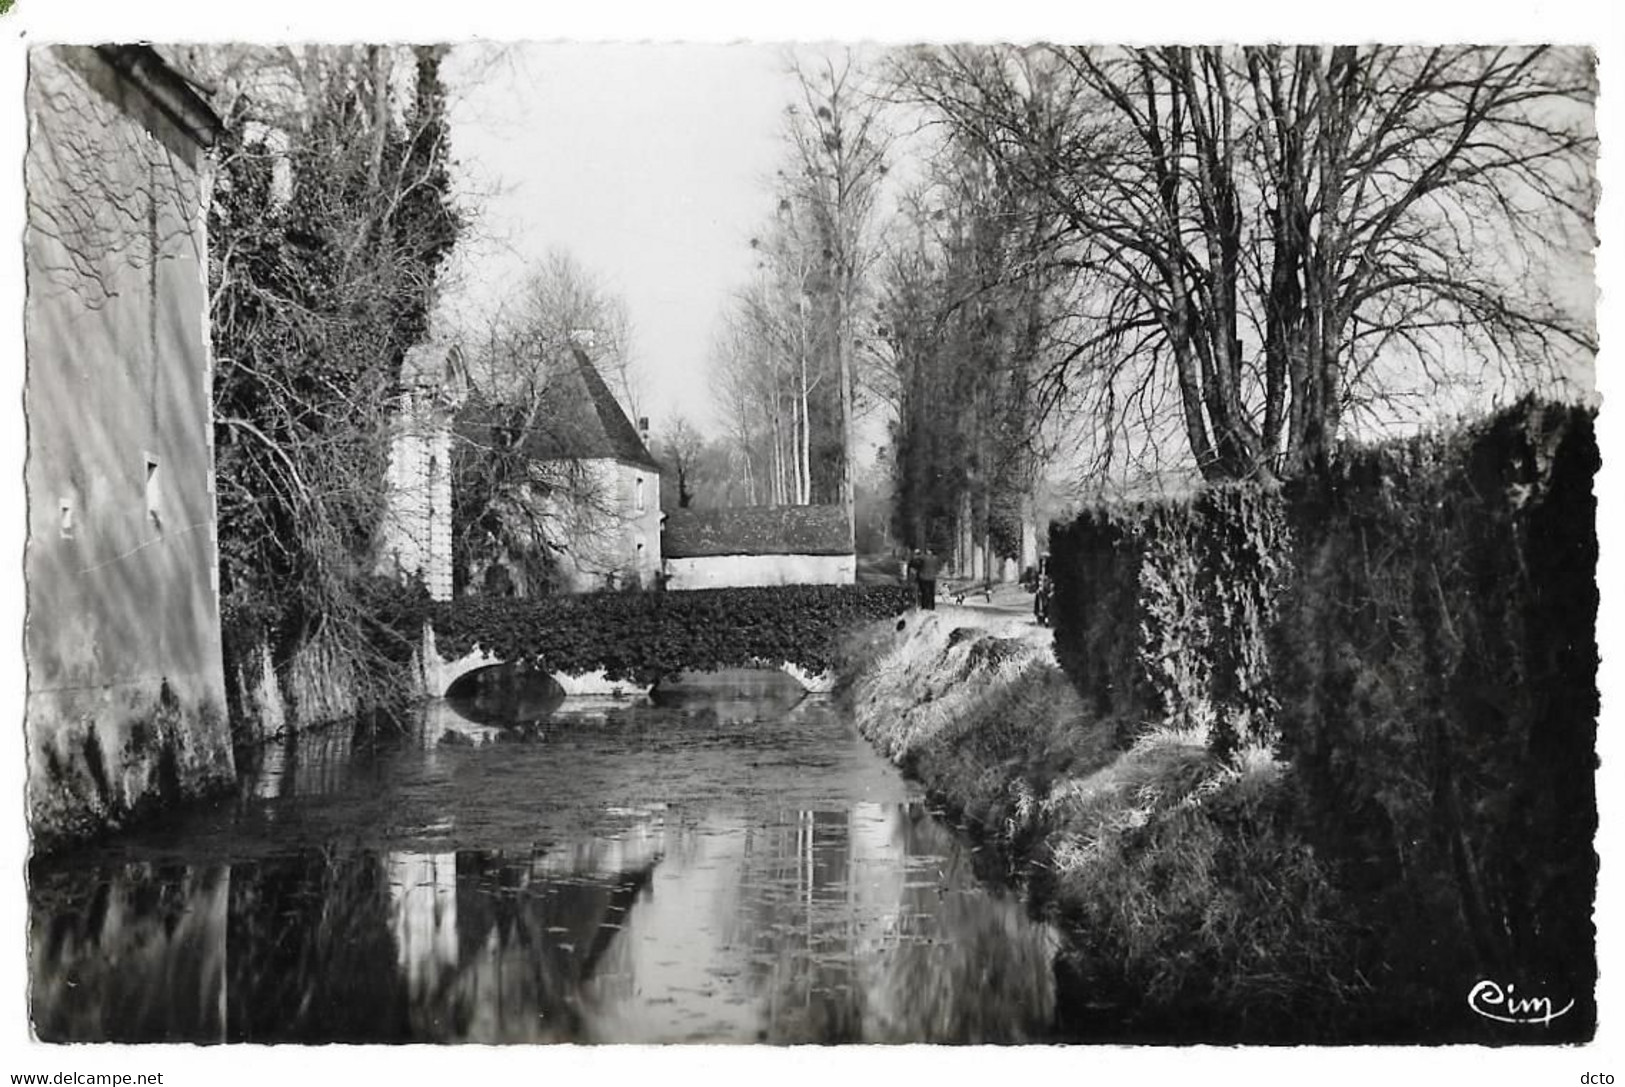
<point x="643" y="430"/>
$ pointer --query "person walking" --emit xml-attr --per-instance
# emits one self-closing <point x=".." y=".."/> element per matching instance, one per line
<point x="926" y="574"/>
<point x="1043" y="593"/>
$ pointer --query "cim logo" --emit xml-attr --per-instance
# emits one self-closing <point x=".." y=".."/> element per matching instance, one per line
<point x="1490" y="1000"/>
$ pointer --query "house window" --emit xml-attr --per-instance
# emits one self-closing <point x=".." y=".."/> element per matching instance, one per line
<point x="152" y="489"/>
<point x="640" y="494"/>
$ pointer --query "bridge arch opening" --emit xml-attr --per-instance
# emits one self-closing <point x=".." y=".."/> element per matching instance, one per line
<point x="504" y="694"/>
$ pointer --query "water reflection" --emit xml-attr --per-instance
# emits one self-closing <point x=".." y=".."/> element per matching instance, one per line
<point x="505" y="695"/>
<point x="767" y="880"/>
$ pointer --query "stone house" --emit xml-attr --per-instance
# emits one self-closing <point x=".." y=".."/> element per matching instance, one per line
<point x="126" y="699"/>
<point x="758" y="545"/>
<point x="593" y="483"/>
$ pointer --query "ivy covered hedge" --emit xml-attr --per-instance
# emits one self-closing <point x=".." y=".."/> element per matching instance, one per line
<point x="1417" y="630"/>
<point x="1436" y="669"/>
<point x="1162" y="610"/>
<point x="644" y="636"/>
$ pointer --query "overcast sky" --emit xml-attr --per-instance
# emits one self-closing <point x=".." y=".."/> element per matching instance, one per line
<point x="648" y="163"/>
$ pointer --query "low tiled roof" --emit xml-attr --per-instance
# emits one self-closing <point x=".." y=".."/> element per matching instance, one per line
<point x="755" y="530"/>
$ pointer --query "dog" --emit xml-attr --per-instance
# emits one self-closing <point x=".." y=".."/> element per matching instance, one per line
<point x="986" y="593"/>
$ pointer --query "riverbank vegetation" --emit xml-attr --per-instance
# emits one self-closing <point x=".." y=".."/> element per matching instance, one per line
<point x="1304" y="764"/>
<point x="331" y="222"/>
<point x="1192" y="909"/>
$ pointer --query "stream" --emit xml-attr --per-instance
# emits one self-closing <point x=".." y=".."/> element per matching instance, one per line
<point x="726" y="862"/>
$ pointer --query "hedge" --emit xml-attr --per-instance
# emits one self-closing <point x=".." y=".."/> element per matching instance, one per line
<point x="1436" y="668"/>
<point x="645" y="636"/>
<point x="1162" y="611"/>
<point x="1416" y="630"/>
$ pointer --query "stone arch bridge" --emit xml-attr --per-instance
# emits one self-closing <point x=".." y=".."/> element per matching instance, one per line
<point x="439" y="672"/>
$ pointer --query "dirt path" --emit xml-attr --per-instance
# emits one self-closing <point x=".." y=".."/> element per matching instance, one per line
<point x="1009" y="601"/>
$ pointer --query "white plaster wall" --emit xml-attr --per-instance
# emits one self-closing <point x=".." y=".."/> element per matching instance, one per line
<point x="643" y="527"/>
<point x="739" y="571"/>
<point x="605" y="530"/>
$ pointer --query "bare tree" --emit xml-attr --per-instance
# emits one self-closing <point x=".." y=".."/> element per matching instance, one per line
<point x="681" y="449"/>
<point x="970" y="311"/>
<point x="524" y="496"/>
<point x="837" y="164"/>
<point x="561" y="303"/>
<point x="735" y="386"/>
<point x="1283" y="237"/>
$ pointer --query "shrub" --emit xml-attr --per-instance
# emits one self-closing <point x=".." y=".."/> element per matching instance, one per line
<point x="1162" y="611"/>
<point x="644" y="636"/>
<point x="1198" y="910"/>
<point x="1417" y="628"/>
<point x="1436" y="666"/>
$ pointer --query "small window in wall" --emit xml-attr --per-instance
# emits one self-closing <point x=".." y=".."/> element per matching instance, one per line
<point x="152" y="490"/>
<point x="640" y="494"/>
<point x="65" y="519"/>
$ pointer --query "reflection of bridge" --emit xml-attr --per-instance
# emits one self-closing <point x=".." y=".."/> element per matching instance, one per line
<point x="438" y="674"/>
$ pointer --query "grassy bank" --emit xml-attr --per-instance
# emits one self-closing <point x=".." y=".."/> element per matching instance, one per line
<point x="1192" y="910"/>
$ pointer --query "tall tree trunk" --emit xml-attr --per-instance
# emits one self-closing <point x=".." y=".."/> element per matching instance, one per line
<point x="778" y="458"/>
<point x="804" y="449"/>
<point x="848" y="493"/>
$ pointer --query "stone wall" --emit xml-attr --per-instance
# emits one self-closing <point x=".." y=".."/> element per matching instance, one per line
<point x="317" y="686"/>
<point x="126" y="697"/>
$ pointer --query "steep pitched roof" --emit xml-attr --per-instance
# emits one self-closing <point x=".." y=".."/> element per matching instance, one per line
<point x="755" y="530"/>
<point x="595" y="427"/>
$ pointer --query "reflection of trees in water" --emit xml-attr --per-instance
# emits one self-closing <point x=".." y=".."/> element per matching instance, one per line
<point x="278" y="949"/>
<point x="318" y="762"/>
<point x="138" y="955"/>
<point x="802" y="927"/>
<point x="857" y="937"/>
<point x="329" y="946"/>
<point x="311" y="956"/>
<point x="963" y="967"/>
<point x="855" y="925"/>
<point x="464" y="947"/>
